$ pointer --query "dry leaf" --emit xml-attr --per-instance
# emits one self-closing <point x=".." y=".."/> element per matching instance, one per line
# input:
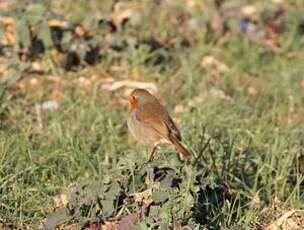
<point x="122" y="11"/>
<point x="277" y="1"/>
<point x="144" y="197"/>
<point x="197" y="99"/>
<point x="93" y="226"/>
<point x="67" y="227"/>
<point x="255" y="200"/>
<point x="109" y="225"/>
<point x="130" y="85"/>
<point x="249" y="10"/>
<point x="61" y="200"/>
<point x="9" y="34"/>
<point x="219" y="94"/>
<point x="58" y="23"/>
<point x="82" y="82"/>
<point x="191" y="4"/>
<point x="79" y="31"/>
<point x="178" y="109"/>
<point x="282" y="222"/>
<point x="128" y="222"/>
<point x="213" y="65"/>
<point x="252" y="91"/>
<point x="38" y="66"/>
<point x="8" y="24"/>
<point x="6" y="20"/>
<point x="49" y="105"/>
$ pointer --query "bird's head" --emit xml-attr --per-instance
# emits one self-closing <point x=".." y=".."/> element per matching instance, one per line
<point x="139" y="97"/>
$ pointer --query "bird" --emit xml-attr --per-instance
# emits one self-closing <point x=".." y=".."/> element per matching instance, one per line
<point x="151" y="125"/>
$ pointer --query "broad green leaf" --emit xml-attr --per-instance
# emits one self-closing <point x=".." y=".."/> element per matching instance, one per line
<point x="107" y="207"/>
<point x="159" y="196"/>
<point x="113" y="191"/>
<point x="22" y="33"/>
<point x="58" y="217"/>
<point x="35" y="13"/>
<point x="44" y="33"/>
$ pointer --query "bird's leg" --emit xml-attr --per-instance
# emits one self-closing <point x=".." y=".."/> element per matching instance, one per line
<point x="152" y="153"/>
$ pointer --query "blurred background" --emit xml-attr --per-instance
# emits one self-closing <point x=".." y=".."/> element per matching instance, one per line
<point x="230" y="74"/>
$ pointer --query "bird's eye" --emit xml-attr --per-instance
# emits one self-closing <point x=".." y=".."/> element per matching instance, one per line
<point x="133" y="97"/>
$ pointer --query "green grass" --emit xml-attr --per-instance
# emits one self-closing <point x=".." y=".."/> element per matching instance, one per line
<point x="244" y="146"/>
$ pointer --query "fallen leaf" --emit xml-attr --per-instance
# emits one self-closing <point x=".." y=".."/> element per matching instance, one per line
<point x="38" y="66"/>
<point x="122" y="11"/>
<point x="49" y="105"/>
<point x="255" y="200"/>
<point x="109" y="225"/>
<point x="179" y="109"/>
<point x="213" y="65"/>
<point x="145" y="196"/>
<point x="281" y="222"/>
<point x="160" y="196"/>
<point x="6" y="20"/>
<point x="93" y="226"/>
<point x="9" y="33"/>
<point x="61" y="200"/>
<point x="219" y="94"/>
<point x="128" y="222"/>
<point x="113" y="86"/>
<point x="249" y="10"/>
<point x="67" y="227"/>
<point x="196" y="100"/>
<point x="58" y="23"/>
<point x="252" y="91"/>
<point x="79" y="31"/>
<point x="54" y="219"/>
<point x="82" y="82"/>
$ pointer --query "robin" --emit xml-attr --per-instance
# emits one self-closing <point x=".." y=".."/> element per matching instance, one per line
<point x="151" y="125"/>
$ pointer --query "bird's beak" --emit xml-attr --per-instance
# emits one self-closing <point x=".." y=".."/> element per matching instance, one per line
<point x="133" y="102"/>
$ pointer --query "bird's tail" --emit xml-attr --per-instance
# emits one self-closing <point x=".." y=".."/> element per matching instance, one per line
<point x="185" y="153"/>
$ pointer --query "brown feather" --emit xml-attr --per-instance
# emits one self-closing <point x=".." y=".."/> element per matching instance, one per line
<point x="186" y="155"/>
<point x="151" y="124"/>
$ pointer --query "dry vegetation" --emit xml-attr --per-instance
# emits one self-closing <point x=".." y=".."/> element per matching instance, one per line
<point x="231" y="75"/>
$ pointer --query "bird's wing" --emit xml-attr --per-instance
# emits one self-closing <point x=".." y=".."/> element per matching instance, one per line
<point x="173" y="130"/>
<point x="156" y="117"/>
